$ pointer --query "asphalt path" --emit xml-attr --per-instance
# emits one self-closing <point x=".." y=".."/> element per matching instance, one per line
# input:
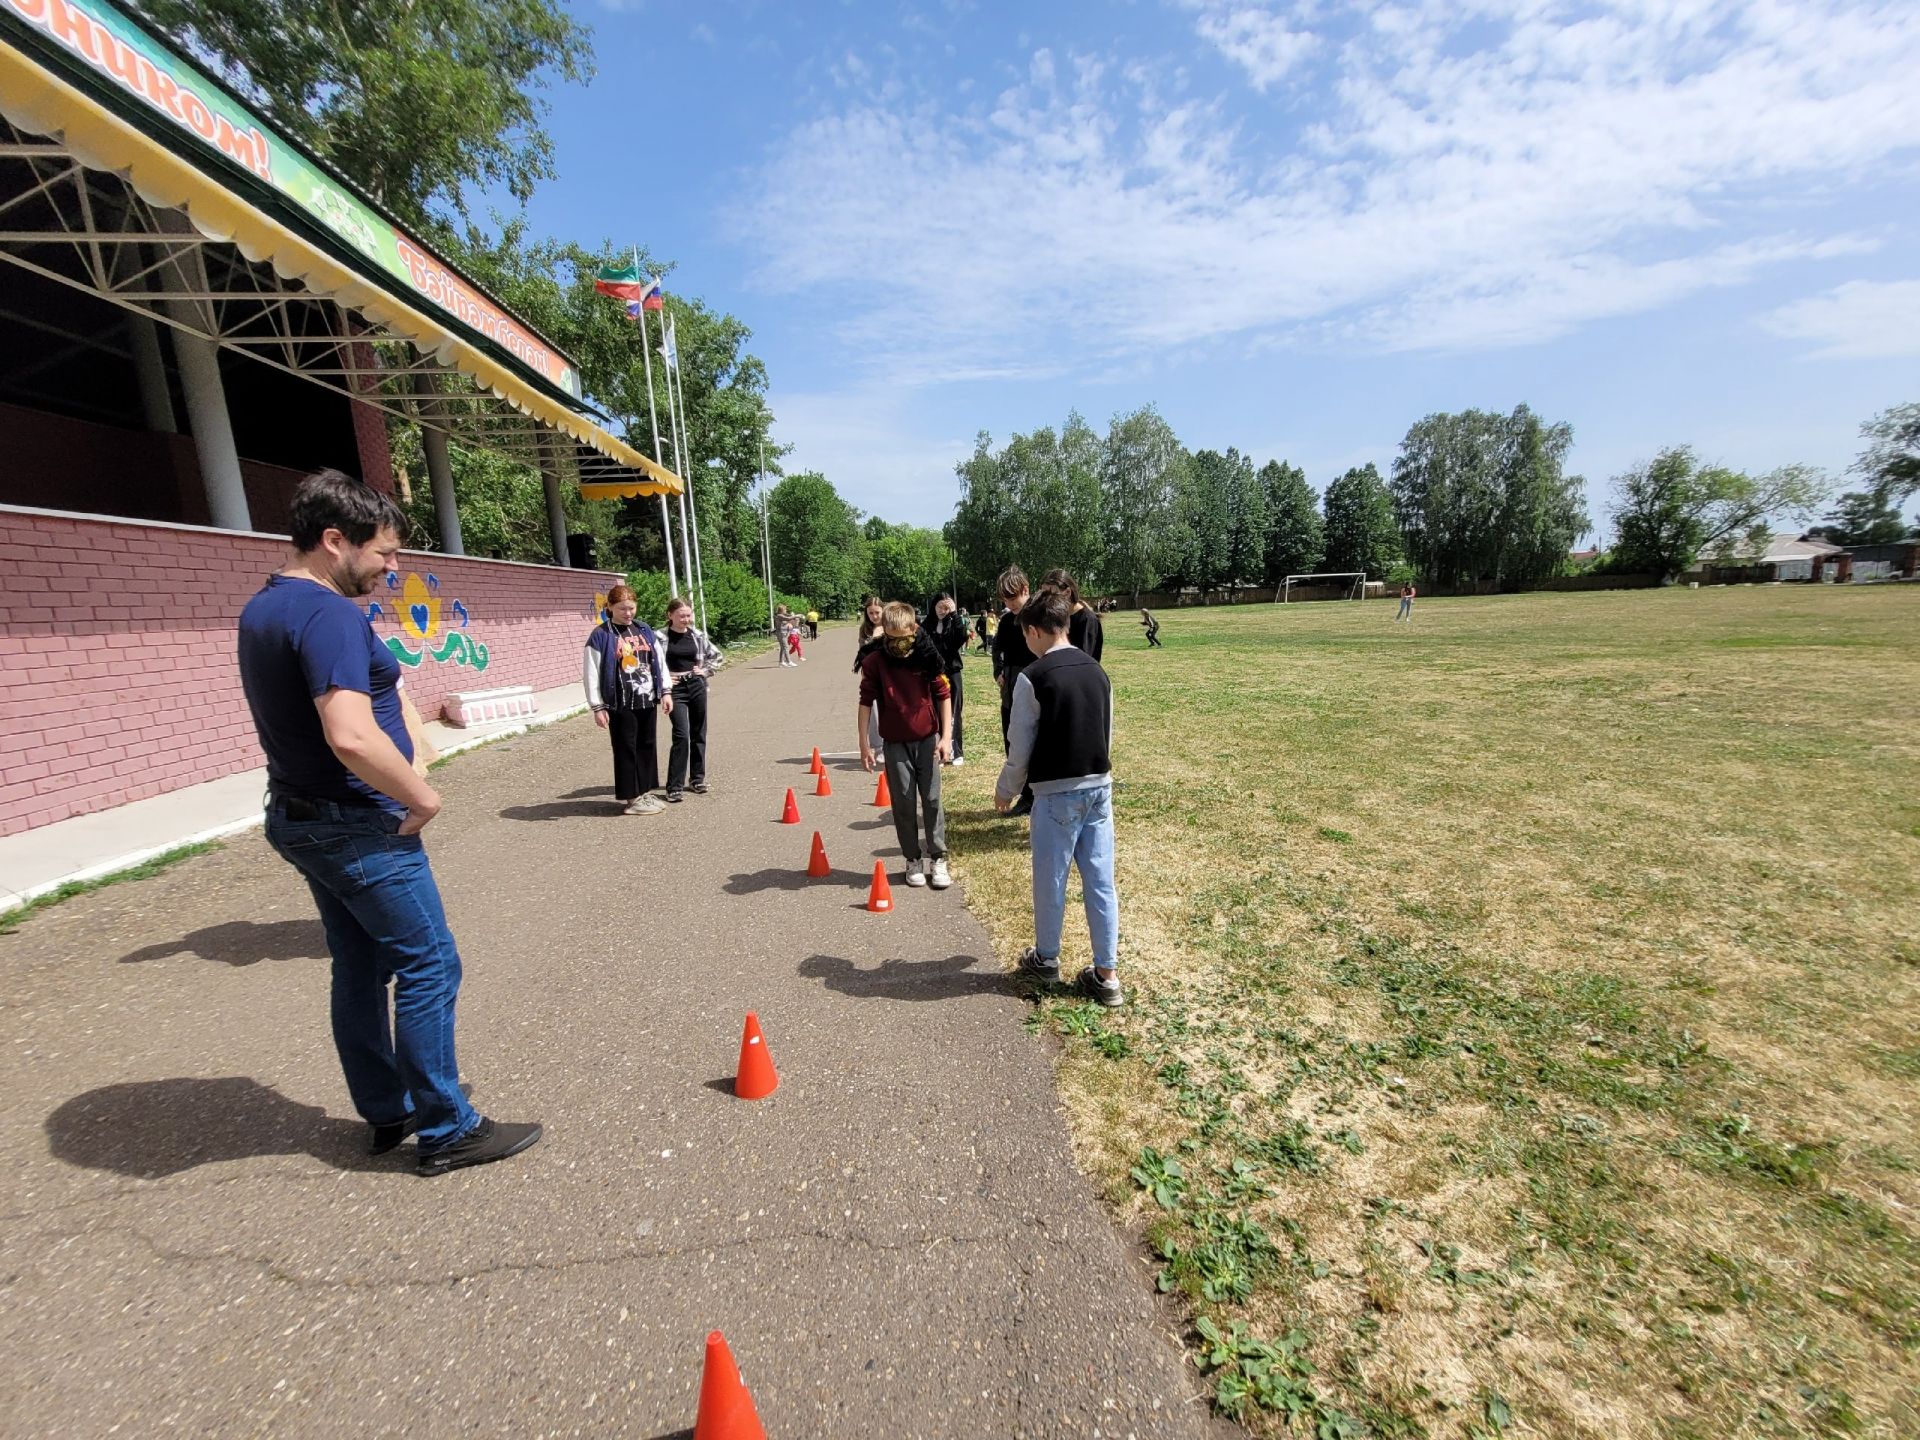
<point x="895" y="1244"/>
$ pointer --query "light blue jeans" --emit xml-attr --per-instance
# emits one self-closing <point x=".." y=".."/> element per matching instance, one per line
<point x="1075" y="827"/>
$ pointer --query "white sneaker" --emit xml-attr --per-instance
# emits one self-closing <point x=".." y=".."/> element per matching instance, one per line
<point x="958" y="761"/>
<point x="939" y="876"/>
<point x="916" y="874"/>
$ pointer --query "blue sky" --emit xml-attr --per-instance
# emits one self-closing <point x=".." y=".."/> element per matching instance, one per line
<point x="1294" y="227"/>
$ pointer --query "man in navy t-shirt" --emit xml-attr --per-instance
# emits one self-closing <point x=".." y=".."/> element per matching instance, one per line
<point x="345" y="808"/>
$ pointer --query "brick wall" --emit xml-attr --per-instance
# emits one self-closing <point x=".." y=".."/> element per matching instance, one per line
<point x="117" y="672"/>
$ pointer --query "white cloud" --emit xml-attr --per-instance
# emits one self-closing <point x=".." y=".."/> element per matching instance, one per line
<point x="1262" y="41"/>
<point x="1441" y="174"/>
<point x="1862" y="319"/>
<point x="876" y="457"/>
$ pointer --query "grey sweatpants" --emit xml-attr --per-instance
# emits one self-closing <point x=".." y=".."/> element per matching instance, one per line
<point x="912" y="770"/>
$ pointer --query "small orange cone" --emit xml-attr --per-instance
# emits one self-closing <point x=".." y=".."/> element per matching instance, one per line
<point x="817" y="865"/>
<point x="880" y="895"/>
<point x="823" y="788"/>
<point x="791" y="815"/>
<point x="882" y="796"/>
<point x="814" y="767"/>
<point x="726" y="1409"/>
<point x="754" y="1079"/>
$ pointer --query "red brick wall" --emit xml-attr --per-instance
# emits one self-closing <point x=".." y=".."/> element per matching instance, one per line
<point x="117" y="672"/>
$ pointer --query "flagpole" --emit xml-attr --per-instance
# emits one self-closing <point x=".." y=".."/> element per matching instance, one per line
<point x="653" y="419"/>
<point x="673" y="434"/>
<point x="766" y="553"/>
<point x="676" y="376"/>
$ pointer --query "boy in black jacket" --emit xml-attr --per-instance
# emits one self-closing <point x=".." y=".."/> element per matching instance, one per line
<point x="1059" y="741"/>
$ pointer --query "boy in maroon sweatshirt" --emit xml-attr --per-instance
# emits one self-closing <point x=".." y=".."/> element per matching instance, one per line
<point x="904" y="678"/>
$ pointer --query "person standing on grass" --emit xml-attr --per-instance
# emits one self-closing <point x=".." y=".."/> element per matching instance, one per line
<point x="949" y="635"/>
<point x="1084" y="631"/>
<point x="1061" y="744"/>
<point x="691" y="660"/>
<point x="1152" y="627"/>
<point x="903" y="682"/>
<point x="345" y="809"/>
<point x="625" y="675"/>
<point x="1010" y="657"/>
<point x="1407" y="593"/>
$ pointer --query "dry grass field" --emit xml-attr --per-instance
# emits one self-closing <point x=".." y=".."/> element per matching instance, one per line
<point x="1526" y="1022"/>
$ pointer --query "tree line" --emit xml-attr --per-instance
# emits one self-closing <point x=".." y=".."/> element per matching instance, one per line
<point x="1471" y="497"/>
<point x="1476" y="499"/>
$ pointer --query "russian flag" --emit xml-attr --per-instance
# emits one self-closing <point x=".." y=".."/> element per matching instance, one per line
<point x="652" y="298"/>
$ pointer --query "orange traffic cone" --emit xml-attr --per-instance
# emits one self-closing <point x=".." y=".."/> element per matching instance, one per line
<point x="817" y="865"/>
<point x="791" y="815"/>
<point x="754" y="1079"/>
<point x="823" y="788"/>
<point x="880" y="895"/>
<point x="881" y="795"/>
<point x="814" y="767"/>
<point x="726" y="1409"/>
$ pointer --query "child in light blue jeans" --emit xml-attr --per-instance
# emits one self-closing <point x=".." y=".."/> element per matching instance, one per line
<point x="1059" y="739"/>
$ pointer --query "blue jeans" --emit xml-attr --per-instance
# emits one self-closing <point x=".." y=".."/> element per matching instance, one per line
<point x="1075" y="826"/>
<point x="384" y="922"/>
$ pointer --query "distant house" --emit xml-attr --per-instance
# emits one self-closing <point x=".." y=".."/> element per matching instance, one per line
<point x="1783" y="556"/>
<point x="1584" y="557"/>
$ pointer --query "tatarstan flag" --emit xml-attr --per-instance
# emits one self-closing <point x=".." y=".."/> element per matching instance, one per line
<point x="623" y="282"/>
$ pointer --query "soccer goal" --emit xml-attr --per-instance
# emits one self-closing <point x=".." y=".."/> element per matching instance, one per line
<point x="1356" y="583"/>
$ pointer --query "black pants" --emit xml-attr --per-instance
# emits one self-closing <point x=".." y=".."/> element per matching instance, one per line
<point x="689" y="721"/>
<point x="1153" y="639"/>
<point x="953" y="678"/>
<point x="636" y="753"/>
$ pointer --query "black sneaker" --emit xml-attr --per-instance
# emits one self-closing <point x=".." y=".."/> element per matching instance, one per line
<point x="388" y="1137"/>
<point x="1100" y="992"/>
<point x="674" y="797"/>
<point x="698" y="787"/>
<point x="1038" y="966"/>
<point x="488" y="1141"/>
<point x="1022" y="806"/>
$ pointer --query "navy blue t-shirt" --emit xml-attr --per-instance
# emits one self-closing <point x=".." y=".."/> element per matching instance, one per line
<point x="298" y="640"/>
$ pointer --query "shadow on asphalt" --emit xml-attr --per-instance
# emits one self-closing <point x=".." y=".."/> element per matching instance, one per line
<point x="152" y="1128"/>
<point x="951" y="979"/>
<point x="776" y="878"/>
<point x="242" y="942"/>
<point x="560" y="810"/>
<point x="588" y="791"/>
<point x="675" y="1435"/>
<point x="879" y="823"/>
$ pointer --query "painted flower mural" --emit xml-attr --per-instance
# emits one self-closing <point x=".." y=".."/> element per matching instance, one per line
<point x="418" y="610"/>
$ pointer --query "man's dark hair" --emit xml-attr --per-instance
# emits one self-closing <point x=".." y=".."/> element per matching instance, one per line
<point x="328" y="500"/>
<point x="1048" y="611"/>
<point x="1012" y="581"/>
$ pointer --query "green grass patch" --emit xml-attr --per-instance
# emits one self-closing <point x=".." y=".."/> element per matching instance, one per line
<point x="1522" y="1036"/>
<point x="11" y="920"/>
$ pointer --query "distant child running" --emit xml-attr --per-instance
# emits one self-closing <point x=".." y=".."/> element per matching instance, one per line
<point x="1407" y="593"/>
<point x="903" y="680"/>
<point x="1060" y="743"/>
<point x="1152" y="628"/>
<point x="793" y="644"/>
